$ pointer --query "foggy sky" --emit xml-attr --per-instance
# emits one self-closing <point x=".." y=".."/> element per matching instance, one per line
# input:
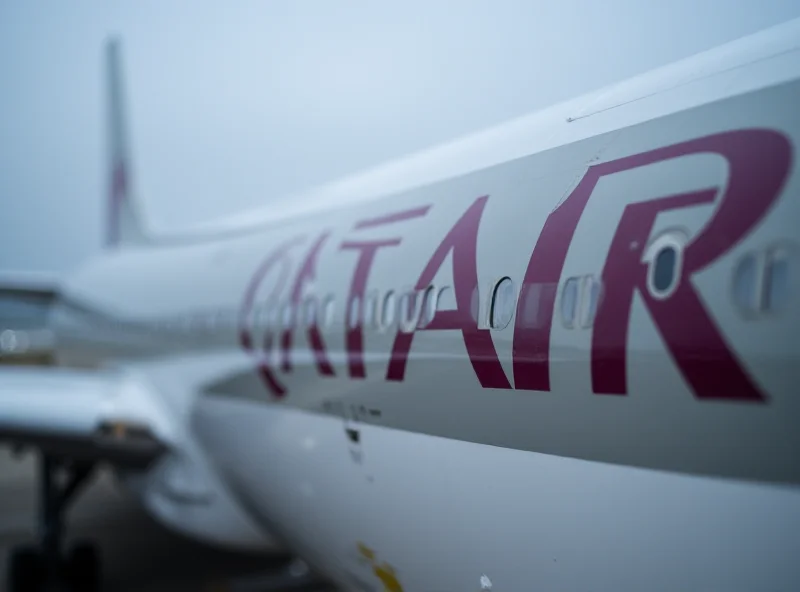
<point x="235" y="104"/>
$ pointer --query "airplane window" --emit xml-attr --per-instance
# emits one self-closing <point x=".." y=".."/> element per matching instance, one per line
<point x="664" y="267"/>
<point x="776" y="283"/>
<point x="355" y="309"/>
<point x="274" y="315"/>
<point x="274" y="312"/>
<point x="503" y="304"/>
<point x="446" y="300"/>
<point x="310" y="311"/>
<point x="269" y="344"/>
<point x="251" y="319"/>
<point x="371" y="309"/>
<point x="745" y="289"/>
<point x="220" y="320"/>
<point x="475" y="306"/>
<point x="288" y="315"/>
<point x="208" y="321"/>
<point x="531" y="313"/>
<point x="191" y="323"/>
<point x="407" y="310"/>
<point x="429" y="306"/>
<point x="328" y="311"/>
<point x="569" y="301"/>
<point x="254" y="318"/>
<point x="592" y="289"/>
<point x="389" y="310"/>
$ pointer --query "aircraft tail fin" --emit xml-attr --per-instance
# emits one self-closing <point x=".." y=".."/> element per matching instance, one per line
<point x="124" y="221"/>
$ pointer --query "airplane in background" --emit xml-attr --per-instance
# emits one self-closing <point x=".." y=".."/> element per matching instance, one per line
<point x="559" y="354"/>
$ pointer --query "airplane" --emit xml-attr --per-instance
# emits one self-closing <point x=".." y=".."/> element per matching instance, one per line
<point x="558" y="354"/>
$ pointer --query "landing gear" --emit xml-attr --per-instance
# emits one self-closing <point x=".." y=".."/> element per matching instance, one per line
<point x="84" y="569"/>
<point x="25" y="569"/>
<point x="43" y="567"/>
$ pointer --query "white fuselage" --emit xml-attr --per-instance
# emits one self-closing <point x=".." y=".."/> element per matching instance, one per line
<point x="620" y="413"/>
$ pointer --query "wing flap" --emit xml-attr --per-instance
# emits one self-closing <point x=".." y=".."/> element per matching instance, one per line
<point x="78" y="415"/>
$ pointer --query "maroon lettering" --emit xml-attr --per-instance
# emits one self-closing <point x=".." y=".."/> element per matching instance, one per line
<point x="306" y="274"/>
<point x="758" y="163"/>
<point x="623" y="273"/>
<point x="354" y="336"/>
<point x="265" y="369"/>
<point x="355" y="329"/>
<point x="462" y="241"/>
<point x="391" y="218"/>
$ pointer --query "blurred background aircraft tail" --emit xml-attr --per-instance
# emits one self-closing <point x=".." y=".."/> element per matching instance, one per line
<point x="124" y="222"/>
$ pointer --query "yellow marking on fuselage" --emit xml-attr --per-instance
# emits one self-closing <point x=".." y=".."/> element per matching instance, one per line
<point x="366" y="552"/>
<point x="384" y="572"/>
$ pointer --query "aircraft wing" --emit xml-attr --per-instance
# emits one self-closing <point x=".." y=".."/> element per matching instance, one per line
<point x="87" y="415"/>
<point x="97" y="416"/>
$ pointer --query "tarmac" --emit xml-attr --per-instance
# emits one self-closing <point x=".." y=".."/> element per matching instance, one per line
<point x="138" y="554"/>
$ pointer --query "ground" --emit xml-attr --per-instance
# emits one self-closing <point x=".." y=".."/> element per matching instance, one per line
<point x="139" y="555"/>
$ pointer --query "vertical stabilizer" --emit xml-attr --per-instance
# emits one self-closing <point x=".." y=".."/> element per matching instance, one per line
<point x="124" y="221"/>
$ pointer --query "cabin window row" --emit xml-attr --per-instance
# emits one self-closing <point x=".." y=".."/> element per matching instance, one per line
<point x="406" y="310"/>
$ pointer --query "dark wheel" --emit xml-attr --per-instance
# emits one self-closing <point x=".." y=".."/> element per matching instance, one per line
<point x="26" y="570"/>
<point x="84" y="572"/>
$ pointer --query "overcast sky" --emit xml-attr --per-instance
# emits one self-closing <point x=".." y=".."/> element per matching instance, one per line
<point x="234" y="104"/>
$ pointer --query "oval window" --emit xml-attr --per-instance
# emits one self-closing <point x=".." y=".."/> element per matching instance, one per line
<point x="429" y="305"/>
<point x="408" y="313"/>
<point x="665" y="269"/>
<point x="446" y="299"/>
<point x="776" y="282"/>
<point x="569" y="301"/>
<point x="389" y="310"/>
<point x="273" y="316"/>
<point x="371" y="309"/>
<point x="354" y="312"/>
<point x="263" y="317"/>
<point x="311" y="311"/>
<point x="288" y="316"/>
<point x="503" y="303"/>
<point x="592" y="290"/>
<point x="745" y="288"/>
<point x="327" y="311"/>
